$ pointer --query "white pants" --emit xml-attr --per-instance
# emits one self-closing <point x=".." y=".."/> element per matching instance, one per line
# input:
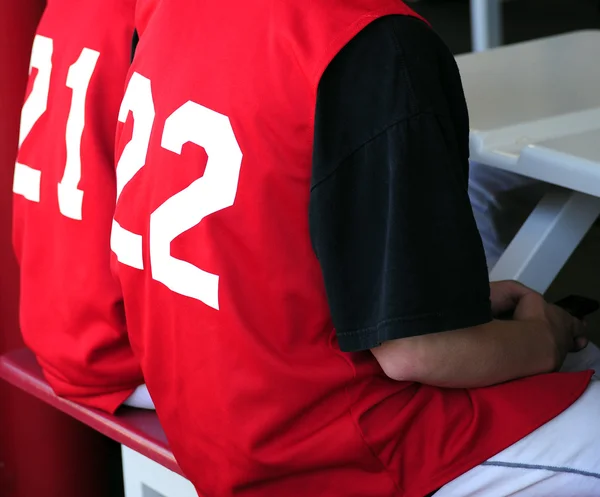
<point x="140" y="398"/>
<point x="560" y="459"/>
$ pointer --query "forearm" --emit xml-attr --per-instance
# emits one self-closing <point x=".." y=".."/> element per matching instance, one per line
<point x="481" y="356"/>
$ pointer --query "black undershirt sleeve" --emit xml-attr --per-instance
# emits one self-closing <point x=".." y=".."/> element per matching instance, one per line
<point x="134" y="42"/>
<point x="390" y="218"/>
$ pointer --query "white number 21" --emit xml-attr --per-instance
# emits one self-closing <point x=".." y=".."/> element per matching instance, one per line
<point x="214" y="191"/>
<point x="27" y="179"/>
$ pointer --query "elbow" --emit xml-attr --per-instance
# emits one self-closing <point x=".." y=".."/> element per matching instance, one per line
<point x="400" y="360"/>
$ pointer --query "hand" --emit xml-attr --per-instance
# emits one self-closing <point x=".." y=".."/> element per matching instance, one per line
<point x="506" y="295"/>
<point x="565" y="331"/>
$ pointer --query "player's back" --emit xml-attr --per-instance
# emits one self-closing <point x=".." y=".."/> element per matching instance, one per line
<point x="71" y="306"/>
<point x="224" y="293"/>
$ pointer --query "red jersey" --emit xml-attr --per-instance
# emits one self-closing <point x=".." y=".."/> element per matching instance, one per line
<point x="224" y="296"/>
<point x="71" y="305"/>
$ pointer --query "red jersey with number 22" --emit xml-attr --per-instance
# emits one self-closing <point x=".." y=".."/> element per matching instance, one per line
<point x="224" y="296"/>
<point x="71" y="305"/>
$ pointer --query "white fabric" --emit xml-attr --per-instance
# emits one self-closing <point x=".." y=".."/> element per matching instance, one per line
<point x="140" y="398"/>
<point x="560" y="459"/>
<point x="501" y="203"/>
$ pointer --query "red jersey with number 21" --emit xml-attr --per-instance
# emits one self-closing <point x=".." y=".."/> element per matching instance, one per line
<point x="224" y="296"/>
<point x="71" y="305"/>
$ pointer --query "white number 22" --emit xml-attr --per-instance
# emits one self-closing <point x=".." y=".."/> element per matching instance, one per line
<point x="214" y="191"/>
<point x="27" y="179"/>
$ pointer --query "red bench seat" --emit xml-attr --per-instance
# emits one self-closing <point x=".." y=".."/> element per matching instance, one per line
<point x="137" y="429"/>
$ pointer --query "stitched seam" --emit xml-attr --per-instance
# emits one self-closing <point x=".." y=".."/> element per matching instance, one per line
<point x="555" y="469"/>
<point x="380" y="324"/>
<point x="405" y="68"/>
<point x="367" y="141"/>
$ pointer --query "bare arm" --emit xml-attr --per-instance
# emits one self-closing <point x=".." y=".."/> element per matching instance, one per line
<point x="535" y="342"/>
<point x="473" y="357"/>
<point x="392" y="225"/>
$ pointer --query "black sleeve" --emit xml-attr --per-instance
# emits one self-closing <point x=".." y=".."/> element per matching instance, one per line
<point x="134" y="43"/>
<point x="390" y="218"/>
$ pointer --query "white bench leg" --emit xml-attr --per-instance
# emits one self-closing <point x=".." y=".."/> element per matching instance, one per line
<point x="143" y="477"/>
<point x="486" y="24"/>
<point x="547" y="239"/>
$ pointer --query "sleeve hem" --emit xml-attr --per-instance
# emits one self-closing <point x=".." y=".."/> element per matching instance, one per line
<point x="108" y="402"/>
<point x="405" y="327"/>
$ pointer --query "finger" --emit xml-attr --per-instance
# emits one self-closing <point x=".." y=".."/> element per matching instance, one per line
<point x="506" y="295"/>
<point x="580" y="343"/>
<point x="519" y="289"/>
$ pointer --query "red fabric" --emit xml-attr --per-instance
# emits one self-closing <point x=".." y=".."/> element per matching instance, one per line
<point x="39" y="446"/>
<point x="253" y="392"/>
<point x="71" y="305"/>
